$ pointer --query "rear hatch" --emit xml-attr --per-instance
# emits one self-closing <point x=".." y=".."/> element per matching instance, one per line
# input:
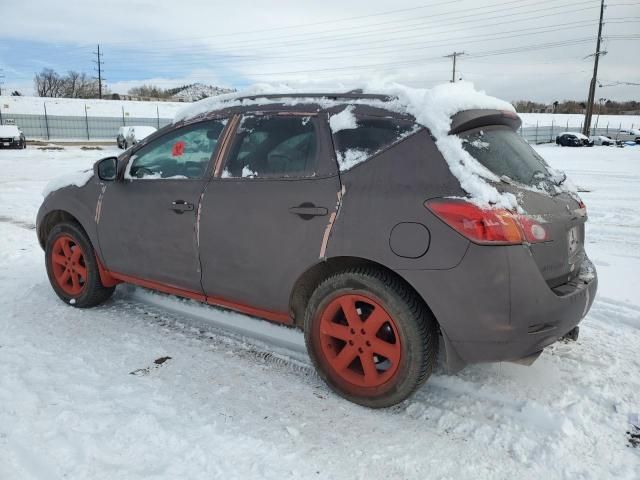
<point x="523" y="172"/>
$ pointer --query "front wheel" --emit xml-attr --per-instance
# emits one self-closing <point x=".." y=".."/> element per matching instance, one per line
<point x="370" y="337"/>
<point x="72" y="267"/>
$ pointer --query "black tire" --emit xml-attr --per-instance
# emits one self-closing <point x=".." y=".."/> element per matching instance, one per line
<point x="415" y="326"/>
<point x="93" y="291"/>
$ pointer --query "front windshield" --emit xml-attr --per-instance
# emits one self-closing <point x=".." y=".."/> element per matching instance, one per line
<point x="506" y="154"/>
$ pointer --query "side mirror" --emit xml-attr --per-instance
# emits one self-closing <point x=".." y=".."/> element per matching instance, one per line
<point x="107" y="168"/>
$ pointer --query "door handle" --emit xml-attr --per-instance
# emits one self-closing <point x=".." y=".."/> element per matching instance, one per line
<point x="308" y="210"/>
<point x="180" y="206"/>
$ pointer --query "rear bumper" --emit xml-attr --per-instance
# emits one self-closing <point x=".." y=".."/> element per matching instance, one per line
<point x="496" y="306"/>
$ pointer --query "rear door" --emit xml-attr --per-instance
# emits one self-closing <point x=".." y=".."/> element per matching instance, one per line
<point x="147" y="220"/>
<point x="525" y="174"/>
<point x="265" y="216"/>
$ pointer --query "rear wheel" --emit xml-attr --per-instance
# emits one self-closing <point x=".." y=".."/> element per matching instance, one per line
<point x="370" y="337"/>
<point x="72" y="267"/>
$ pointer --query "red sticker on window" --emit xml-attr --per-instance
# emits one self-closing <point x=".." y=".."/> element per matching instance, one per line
<point x="178" y="149"/>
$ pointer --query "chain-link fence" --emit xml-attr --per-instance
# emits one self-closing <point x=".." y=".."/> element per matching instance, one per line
<point x="545" y="133"/>
<point x="63" y="127"/>
<point x="66" y="127"/>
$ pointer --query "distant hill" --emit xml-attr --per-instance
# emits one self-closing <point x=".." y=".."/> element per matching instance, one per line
<point x="196" y="91"/>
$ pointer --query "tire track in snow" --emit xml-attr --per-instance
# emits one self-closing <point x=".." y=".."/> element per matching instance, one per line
<point x="17" y="223"/>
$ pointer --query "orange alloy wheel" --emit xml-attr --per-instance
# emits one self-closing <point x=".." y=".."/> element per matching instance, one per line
<point x="68" y="265"/>
<point x="359" y="340"/>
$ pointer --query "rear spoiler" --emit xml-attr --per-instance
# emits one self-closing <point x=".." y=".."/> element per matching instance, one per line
<point x="468" y="119"/>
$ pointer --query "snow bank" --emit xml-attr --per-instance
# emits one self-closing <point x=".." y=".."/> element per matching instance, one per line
<point x="79" y="179"/>
<point x="95" y="107"/>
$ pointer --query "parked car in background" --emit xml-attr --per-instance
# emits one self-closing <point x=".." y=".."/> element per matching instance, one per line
<point x="573" y="139"/>
<point x="630" y="135"/>
<point x="136" y="134"/>
<point x="121" y="139"/>
<point x="602" y="140"/>
<point x="361" y="236"/>
<point x="12" y="137"/>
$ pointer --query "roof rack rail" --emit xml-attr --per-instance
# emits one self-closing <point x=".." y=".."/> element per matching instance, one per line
<point x="351" y="95"/>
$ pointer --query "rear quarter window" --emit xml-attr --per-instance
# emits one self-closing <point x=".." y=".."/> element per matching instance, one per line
<point x="370" y="135"/>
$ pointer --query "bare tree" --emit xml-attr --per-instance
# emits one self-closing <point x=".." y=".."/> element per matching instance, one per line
<point x="151" y="91"/>
<point x="48" y="83"/>
<point x="79" y="85"/>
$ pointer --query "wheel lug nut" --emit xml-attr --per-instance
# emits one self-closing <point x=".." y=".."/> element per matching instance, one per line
<point x="363" y="332"/>
<point x="360" y="350"/>
<point x="368" y="343"/>
<point x="353" y="331"/>
<point x="351" y="342"/>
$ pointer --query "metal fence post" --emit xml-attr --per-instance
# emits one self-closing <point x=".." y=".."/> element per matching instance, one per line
<point x="46" y="120"/>
<point x="536" y="132"/>
<point x="1" y="115"/>
<point x="123" y="121"/>
<point x="86" y="120"/>
<point x="158" y="116"/>
<point x="607" y="129"/>
<point x="567" y="125"/>
<point x="551" y="138"/>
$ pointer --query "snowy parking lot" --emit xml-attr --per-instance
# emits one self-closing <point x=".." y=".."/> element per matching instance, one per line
<point x="148" y="386"/>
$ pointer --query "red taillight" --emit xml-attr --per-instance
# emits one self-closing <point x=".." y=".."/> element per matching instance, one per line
<point x="494" y="226"/>
<point x="582" y="209"/>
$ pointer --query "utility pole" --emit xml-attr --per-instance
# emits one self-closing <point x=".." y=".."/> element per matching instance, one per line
<point x="99" y="62"/>
<point x="586" y="129"/>
<point x="454" y="55"/>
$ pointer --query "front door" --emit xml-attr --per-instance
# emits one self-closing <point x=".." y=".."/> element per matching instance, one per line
<point x="147" y="219"/>
<point x="265" y="216"/>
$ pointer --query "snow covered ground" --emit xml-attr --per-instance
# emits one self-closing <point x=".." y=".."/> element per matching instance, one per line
<point x="87" y="395"/>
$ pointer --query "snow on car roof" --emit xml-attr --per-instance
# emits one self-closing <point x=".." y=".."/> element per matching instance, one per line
<point x="432" y="108"/>
<point x="9" y="131"/>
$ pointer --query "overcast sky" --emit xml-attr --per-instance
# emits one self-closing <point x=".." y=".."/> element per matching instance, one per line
<point x="513" y="48"/>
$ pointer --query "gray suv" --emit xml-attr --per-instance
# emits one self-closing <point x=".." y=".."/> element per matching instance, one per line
<point x="360" y="236"/>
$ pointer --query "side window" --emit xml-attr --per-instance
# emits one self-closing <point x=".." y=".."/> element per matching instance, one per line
<point x="358" y="138"/>
<point x="273" y="146"/>
<point x="183" y="153"/>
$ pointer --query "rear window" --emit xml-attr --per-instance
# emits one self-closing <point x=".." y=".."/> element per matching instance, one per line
<point x="506" y="154"/>
<point x="354" y="145"/>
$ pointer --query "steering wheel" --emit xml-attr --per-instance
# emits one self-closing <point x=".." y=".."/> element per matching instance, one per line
<point x="143" y="171"/>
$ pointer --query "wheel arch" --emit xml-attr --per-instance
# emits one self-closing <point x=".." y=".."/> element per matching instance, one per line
<point x="50" y="220"/>
<point x="314" y="275"/>
<point x="307" y="282"/>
